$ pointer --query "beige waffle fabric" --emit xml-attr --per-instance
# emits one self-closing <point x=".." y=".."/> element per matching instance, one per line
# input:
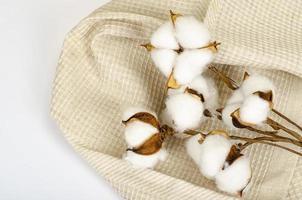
<point x="102" y="70"/>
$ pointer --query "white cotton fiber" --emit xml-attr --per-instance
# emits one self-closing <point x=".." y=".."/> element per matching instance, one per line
<point x="130" y="111"/>
<point x="226" y="114"/>
<point x="137" y="132"/>
<point x="190" y="64"/>
<point x="207" y="87"/>
<point x="164" y="60"/>
<point x="165" y="118"/>
<point x="211" y="99"/>
<point x="194" y="148"/>
<point x="191" y="33"/>
<point x="254" y="110"/>
<point x="255" y="83"/>
<point x="235" y="177"/>
<point x="214" y="151"/>
<point x="145" y="161"/>
<point x="199" y="83"/>
<point x="185" y="111"/>
<point x="164" y="37"/>
<point x="236" y="97"/>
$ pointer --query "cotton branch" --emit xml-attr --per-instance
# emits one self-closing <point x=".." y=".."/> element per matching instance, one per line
<point x="262" y="140"/>
<point x="233" y="85"/>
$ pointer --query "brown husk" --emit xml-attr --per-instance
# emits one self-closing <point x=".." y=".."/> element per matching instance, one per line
<point x="171" y="83"/>
<point x="144" y="117"/>
<point x="195" y="93"/>
<point x="149" y="147"/>
<point x="233" y="154"/>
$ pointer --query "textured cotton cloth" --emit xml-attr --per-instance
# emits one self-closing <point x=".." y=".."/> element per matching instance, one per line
<point x="103" y="69"/>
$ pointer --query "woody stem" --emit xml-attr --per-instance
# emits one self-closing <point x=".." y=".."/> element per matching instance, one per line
<point x="251" y="141"/>
<point x="275" y="125"/>
<point x="287" y="119"/>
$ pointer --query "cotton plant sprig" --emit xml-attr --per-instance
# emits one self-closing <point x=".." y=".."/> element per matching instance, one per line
<point x="251" y="104"/>
<point x="182" y="50"/>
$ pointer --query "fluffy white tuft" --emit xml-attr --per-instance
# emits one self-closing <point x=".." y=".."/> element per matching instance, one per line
<point x="190" y="64"/>
<point x="254" y="110"/>
<point x="211" y="99"/>
<point x="235" y="177"/>
<point x="194" y="148"/>
<point x="185" y="111"/>
<point x="164" y="60"/>
<point x="255" y="83"/>
<point x="130" y="111"/>
<point x="164" y="37"/>
<point x="191" y="33"/>
<point x="199" y="83"/>
<point x="213" y="153"/>
<point x="236" y="97"/>
<point x="145" y="161"/>
<point x="226" y="114"/>
<point x="137" y="132"/>
<point x="207" y="87"/>
<point x="165" y="118"/>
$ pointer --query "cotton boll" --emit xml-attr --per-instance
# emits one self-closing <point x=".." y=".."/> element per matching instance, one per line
<point x="235" y="177"/>
<point x="190" y="64"/>
<point x="164" y="60"/>
<point x="164" y="37"/>
<point x="237" y="97"/>
<point x="226" y="114"/>
<point x="191" y="33"/>
<point x="145" y="161"/>
<point x="194" y="148"/>
<point x="129" y="112"/>
<point x="137" y="132"/>
<point x="255" y="83"/>
<point x="214" y="151"/>
<point x="185" y="111"/>
<point x="254" y="110"/>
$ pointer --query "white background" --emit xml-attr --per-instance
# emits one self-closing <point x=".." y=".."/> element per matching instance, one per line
<point x="36" y="163"/>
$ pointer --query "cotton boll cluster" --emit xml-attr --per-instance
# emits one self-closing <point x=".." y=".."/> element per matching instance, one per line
<point x="250" y="104"/>
<point x="143" y="138"/>
<point x="182" y="46"/>
<point x="185" y="106"/>
<point x="220" y="161"/>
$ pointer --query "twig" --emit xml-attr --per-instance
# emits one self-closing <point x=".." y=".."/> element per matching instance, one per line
<point x="287" y="119"/>
<point x="267" y="138"/>
<point x="227" y="80"/>
<point x="269" y="143"/>
<point x="275" y="125"/>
